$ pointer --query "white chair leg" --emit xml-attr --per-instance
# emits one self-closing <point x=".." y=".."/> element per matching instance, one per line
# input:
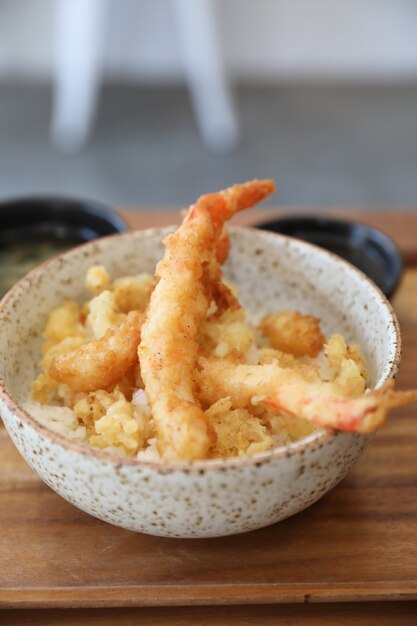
<point x="80" y="26"/>
<point x="206" y="79"/>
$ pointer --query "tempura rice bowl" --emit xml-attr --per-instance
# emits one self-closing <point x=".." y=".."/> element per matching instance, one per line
<point x="211" y="497"/>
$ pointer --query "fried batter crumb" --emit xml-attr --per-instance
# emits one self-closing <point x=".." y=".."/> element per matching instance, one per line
<point x="97" y="280"/>
<point x="133" y="292"/>
<point x="337" y="350"/>
<point x="293" y="333"/>
<point x="228" y="333"/>
<point x="238" y="433"/>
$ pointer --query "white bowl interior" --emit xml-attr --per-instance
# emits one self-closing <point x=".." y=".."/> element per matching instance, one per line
<point x="272" y="272"/>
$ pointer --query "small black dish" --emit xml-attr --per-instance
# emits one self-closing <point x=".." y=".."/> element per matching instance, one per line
<point x="369" y="249"/>
<point x="34" y="229"/>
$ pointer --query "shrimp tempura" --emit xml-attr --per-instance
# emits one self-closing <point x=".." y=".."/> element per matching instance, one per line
<point x="188" y="279"/>
<point x="286" y="391"/>
<point x="100" y="364"/>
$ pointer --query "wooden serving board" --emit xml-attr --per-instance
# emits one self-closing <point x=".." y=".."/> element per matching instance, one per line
<point x="358" y="543"/>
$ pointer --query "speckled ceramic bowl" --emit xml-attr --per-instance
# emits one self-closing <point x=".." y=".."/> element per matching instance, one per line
<point x="206" y="498"/>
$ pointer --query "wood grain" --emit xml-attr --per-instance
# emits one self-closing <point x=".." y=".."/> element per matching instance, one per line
<point x="357" y="543"/>
<point x="383" y="614"/>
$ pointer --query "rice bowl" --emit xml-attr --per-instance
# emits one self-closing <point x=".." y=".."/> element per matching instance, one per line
<point x="202" y="498"/>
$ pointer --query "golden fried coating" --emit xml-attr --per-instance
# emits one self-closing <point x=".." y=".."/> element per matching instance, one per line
<point x="293" y="333"/>
<point x="130" y="293"/>
<point x="113" y="421"/>
<point x="337" y="351"/>
<point x="238" y="433"/>
<point x="294" y="427"/>
<point x="224" y="334"/>
<point x="97" y="280"/>
<point x="283" y="359"/>
<point x="100" y="364"/>
<point x="43" y="387"/>
<point x="63" y="322"/>
<point x="133" y="292"/>
<point x="187" y="279"/>
<point x="93" y="405"/>
<point x="118" y="428"/>
<point x="103" y="314"/>
<point x="287" y="391"/>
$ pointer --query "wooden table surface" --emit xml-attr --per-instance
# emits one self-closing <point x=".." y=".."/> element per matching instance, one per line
<point x="401" y="226"/>
<point x="357" y="545"/>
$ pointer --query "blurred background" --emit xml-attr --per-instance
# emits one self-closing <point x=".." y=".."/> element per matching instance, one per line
<point x="152" y="102"/>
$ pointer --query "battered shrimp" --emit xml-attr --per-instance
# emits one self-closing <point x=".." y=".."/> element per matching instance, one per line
<point x="189" y="278"/>
<point x="100" y="364"/>
<point x="325" y="404"/>
<point x="291" y="332"/>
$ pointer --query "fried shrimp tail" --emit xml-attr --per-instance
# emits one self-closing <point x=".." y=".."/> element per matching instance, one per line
<point x="188" y="279"/>
<point x="361" y="415"/>
<point x="224" y="204"/>
<point x="100" y="364"/>
<point x="288" y="392"/>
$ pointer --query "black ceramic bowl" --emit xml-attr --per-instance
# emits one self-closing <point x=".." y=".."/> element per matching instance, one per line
<point x="368" y="248"/>
<point x="33" y="229"/>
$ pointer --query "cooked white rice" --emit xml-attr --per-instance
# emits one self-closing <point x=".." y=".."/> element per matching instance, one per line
<point x="61" y="420"/>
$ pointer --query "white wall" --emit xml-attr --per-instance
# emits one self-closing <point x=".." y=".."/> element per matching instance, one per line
<point x="265" y="39"/>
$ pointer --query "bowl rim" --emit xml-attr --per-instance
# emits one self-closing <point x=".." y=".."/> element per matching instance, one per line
<point x="314" y="441"/>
